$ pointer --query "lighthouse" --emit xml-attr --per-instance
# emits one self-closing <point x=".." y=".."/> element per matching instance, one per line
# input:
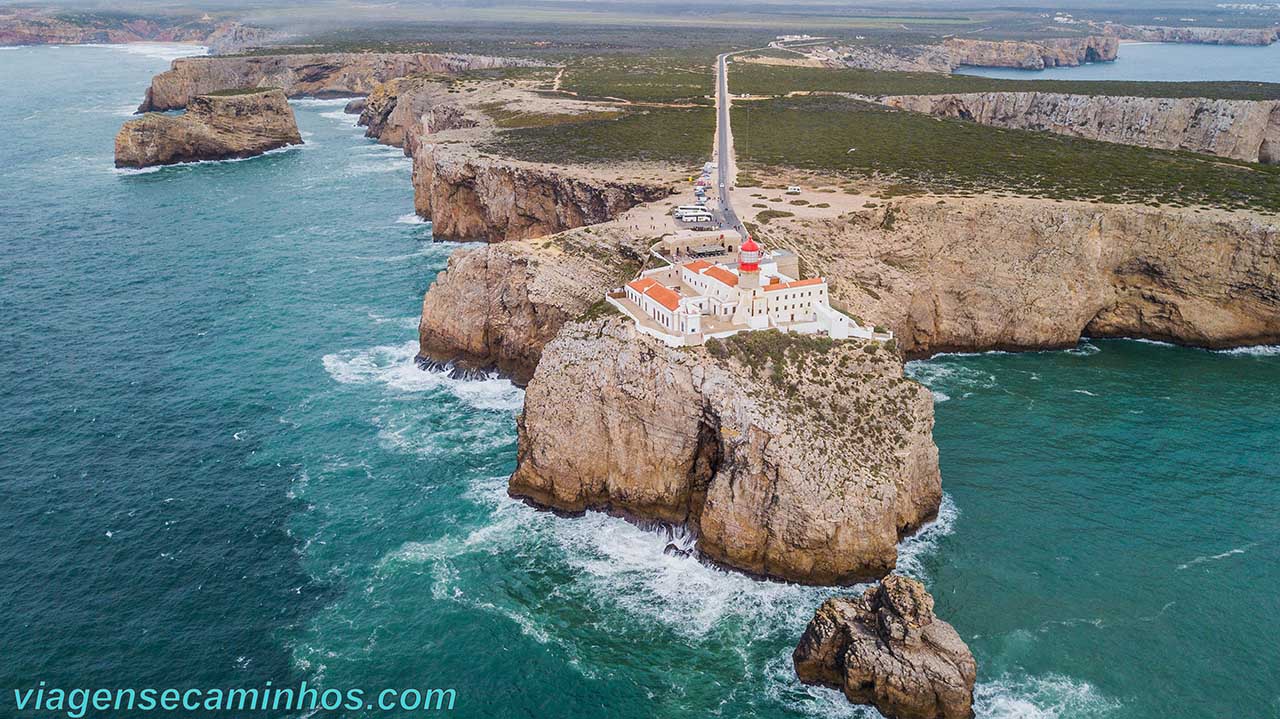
<point x="749" y="265"/>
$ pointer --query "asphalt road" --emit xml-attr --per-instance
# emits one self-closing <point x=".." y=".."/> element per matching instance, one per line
<point x="728" y="216"/>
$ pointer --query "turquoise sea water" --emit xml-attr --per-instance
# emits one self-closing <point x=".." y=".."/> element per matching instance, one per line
<point x="1162" y="62"/>
<point x="221" y="467"/>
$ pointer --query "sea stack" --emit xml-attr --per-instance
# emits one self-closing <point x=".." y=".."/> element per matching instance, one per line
<point x="218" y="126"/>
<point x="886" y="648"/>
<point x="791" y="456"/>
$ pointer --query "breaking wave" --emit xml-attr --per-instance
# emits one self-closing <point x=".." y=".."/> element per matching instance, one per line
<point x="1048" y="697"/>
<point x="394" y="367"/>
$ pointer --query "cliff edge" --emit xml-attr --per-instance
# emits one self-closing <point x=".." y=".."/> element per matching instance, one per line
<point x="793" y="457"/>
<point x="214" y="127"/>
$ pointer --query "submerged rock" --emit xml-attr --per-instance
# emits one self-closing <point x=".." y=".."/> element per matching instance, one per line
<point x="214" y="127"/>
<point x="788" y="456"/>
<point x="886" y="648"/>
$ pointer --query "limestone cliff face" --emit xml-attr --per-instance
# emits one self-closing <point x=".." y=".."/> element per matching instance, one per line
<point x="497" y="305"/>
<point x="1239" y="129"/>
<point x="888" y="649"/>
<point x="909" y="58"/>
<point x="214" y="127"/>
<point x="319" y="75"/>
<point x="398" y="112"/>
<point x="1029" y="55"/>
<point x="992" y="273"/>
<point x="44" y="26"/>
<point x="792" y="457"/>
<point x="468" y="197"/>
<point x="1201" y="35"/>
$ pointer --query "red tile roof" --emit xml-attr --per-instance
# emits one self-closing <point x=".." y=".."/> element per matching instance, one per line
<point x="650" y="287"/>
<point x="697" y="265"/>
<point x="792" y="285"/>
<point x="723" y="275"/>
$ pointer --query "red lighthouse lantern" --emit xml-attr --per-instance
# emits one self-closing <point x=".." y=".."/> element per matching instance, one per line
<point x="749" y="256"/>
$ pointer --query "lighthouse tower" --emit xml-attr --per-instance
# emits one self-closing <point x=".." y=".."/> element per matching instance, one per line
<point x="749" y="265"/>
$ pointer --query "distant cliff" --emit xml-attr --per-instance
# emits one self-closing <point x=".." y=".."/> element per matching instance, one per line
<point x="1239" y="129"/>
<point x="1013" y="273"/>
<point x="1203" y="35"/>
<point x="792" y="457"/>
<point x="1032" y="55"/>
<point x="468" y="197"/>
<point x="318" y="75"/>
<point x="38" y="26"/>
<point x="214" y="127"/>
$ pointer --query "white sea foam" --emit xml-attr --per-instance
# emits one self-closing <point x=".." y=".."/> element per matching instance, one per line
<point x="1084" y="392"/>
<point x="158" y="50"/>
<point x="393" y="366"/>
<point x="1216" y="557"/>
<point x="411" y="218"/>
<point x="320" y="101"/>
<point x="157" y="168"/>
<point x="1048" y="697"/>
<point x="1254" y="350"/>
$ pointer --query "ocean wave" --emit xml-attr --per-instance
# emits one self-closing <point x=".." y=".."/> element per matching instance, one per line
<point x="320" y="101"/>
<point x="1215" y="557"/>
<point x="394" y="367"/>
<point x="1252" y="351"/>
<point x="158" y="50"/>
<point x="941" y="376"/>
<point x="1048" y="697"/>
<point x="128" y="171"/>
<point x="411" y="218"/>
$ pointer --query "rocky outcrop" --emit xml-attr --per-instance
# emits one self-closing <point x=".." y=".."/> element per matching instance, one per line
<point x="41" y="26"/>
<point x="964" y="274"/>
<point x="398" y="112"/>
<point x="1029" y="55"/>
<point x="886" y="648"/>
<point x="214" y="127"/>
<point x="1199" y="35"/>
<point x="1240" y="129"/>
<point x="790" y="456"/>
<point x="497" y="305"/>
<point x="316" y="75"/>
<point x="470" y="197"/>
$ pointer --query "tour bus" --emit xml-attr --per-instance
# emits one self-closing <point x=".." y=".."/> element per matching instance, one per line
<point x="690" y="210"/>
<point x="696" y="218"/>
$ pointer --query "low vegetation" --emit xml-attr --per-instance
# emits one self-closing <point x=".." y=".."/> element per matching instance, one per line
<point x="642" y="134"/>
<point x="677" y="79"/>
<point x="929" y="154"/>
<point x="758" y="79"/>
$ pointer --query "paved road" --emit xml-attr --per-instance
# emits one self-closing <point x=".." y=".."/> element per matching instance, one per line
<point x="728" y="216"/>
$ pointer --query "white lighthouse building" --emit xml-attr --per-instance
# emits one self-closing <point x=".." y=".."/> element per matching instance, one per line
<point x="686" y="303"/>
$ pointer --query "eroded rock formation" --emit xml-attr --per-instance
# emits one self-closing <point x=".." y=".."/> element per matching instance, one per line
<point x="790" y="456"/>
<point x="214" y="127"/>
<point x="1032" y="55"/>
<point x="1013" y="273"/>
<point x="398" y="112"/>
<point x="886" y="648"/>
<point x="497" y="305"/>
<point x="318" y="75"/>
<point x="1240" y="129"/>
<point x="469" y="197"/>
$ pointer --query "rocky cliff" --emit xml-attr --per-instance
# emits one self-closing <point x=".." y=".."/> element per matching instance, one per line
<point x="1203" y="35"/>
<point x="398" y="112"/>
<point x="214" y="127"/>
<point x="893" y="58"/>
<point x="886" y="648"/>
<point x="1239" y="129"/>
<point x="1028" y="55"/>
<point x="319" y="75"/>
<point x="790" y="456"/>
<point x="1012" y="273"/>
<point x="497" y="305"/>
<point x="470" y="197"/>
